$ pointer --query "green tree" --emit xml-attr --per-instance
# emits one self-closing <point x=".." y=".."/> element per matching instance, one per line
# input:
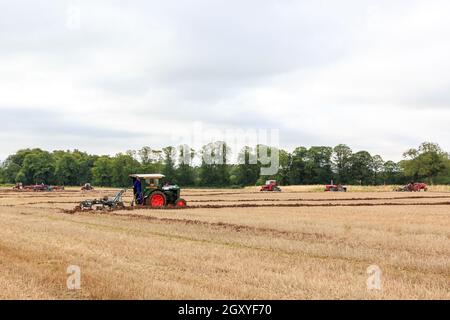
<point x="361" y="168"/>
<point x="11" y="173"/>
<point x="122" y="165"/>
<point x="73" y="167"/>
<point x="247" y="171"/>
<point x="318" y="167"/>
<point x="145" y="155"/>
<point x="222" y="165"/>
<point x="185" y="172"/>
<point x="297" y="173"/>
<point x="85" y="164"/>
<point x="444" y="177"/>
<point x="2" y="174"/>
<point x="342" y="155"/>
<point x="169" y="164"/>
<point x="377" y="169"/>
<point x="151" y="160"/>
<point x="428" y="161"/>
<point x="391" y="173"/>
<point x="102" y="171"/>
<point x="214" y="169"/>
<point x="207" y="174"/>
<point x="283" y="175"/>
<point x="13" y="164"/>
<point x="38" y="167"/>
<point x="67" y="170"/>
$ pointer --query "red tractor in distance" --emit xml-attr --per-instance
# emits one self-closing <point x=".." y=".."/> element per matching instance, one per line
<point x="335" y="188"/>
<point x="37" y="187"/>
<point x="413" y="187"/>
<point x="271" y="186"/>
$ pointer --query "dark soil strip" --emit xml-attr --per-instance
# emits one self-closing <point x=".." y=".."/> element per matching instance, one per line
<point x="294" y="205"/>
<point x="320" y="200"/>
<point x="235" y="193"/>
<point x="285" y="192"/>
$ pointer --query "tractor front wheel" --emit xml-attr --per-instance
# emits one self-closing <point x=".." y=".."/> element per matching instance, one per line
<point x="157" y="200"/>
<point x="181" y="203"/>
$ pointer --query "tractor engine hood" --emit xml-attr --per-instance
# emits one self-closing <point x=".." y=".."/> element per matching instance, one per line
<point x="171" y="188"/>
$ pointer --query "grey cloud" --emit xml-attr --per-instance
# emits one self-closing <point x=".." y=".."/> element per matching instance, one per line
<point x="176" y="62"/>
<point x="28" y="121"/>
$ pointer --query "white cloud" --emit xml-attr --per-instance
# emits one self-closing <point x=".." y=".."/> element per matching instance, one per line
<point x="372" y="74"/>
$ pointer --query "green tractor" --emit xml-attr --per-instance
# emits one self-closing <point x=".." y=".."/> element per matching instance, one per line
<point x="150" y="192"/>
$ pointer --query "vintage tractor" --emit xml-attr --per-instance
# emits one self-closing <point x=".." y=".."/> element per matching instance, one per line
<point x="420" y="186"/>
<point x="87" y="187"/>
<point x="149" y="191"/>
<point x="412" y="187"/>
<point x="335" y="188"/>
<point x="18" y="186"/>
<point x="270" y="186"/>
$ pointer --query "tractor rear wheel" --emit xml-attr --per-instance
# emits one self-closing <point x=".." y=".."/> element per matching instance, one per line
<point x="181" y="203"/>
<point x="157" y="200"/>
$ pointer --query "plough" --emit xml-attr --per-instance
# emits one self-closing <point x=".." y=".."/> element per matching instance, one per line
<point x="113" y="203"/>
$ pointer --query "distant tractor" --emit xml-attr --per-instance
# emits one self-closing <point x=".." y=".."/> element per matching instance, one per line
<point x="412" y="187"/>
<point x="18" y="186"/>
<point x="37" y="187"/>
<point x="150" y="192"/>
<point x="270" y="186"/>
<point x="87" y="187"/>
<point x="335" y="188"/>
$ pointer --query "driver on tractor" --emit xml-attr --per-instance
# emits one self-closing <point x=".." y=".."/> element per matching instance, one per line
<point x="137" y="189"/>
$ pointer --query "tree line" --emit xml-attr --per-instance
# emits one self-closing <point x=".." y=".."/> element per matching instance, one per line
<point x="188" y="167"/>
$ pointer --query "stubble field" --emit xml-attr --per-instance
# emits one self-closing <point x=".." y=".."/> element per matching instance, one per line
<point x="230" y="244"/>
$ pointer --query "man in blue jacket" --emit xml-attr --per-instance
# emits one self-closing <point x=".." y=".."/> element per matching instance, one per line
<point x="137" y="188"/>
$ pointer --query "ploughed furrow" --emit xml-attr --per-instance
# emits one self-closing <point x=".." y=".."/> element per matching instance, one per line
<point x="293" y="205"/>
<point x="238" y="193"/>
<point x="319" y="200"/>
<point x="273" y="205"/>
<point x="262" y="200"/>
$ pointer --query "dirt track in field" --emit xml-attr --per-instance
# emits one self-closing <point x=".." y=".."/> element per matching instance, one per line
<point x="229" y="244"/>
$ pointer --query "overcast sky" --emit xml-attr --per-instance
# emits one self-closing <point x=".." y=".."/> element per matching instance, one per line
<point x="108" y="76"/>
